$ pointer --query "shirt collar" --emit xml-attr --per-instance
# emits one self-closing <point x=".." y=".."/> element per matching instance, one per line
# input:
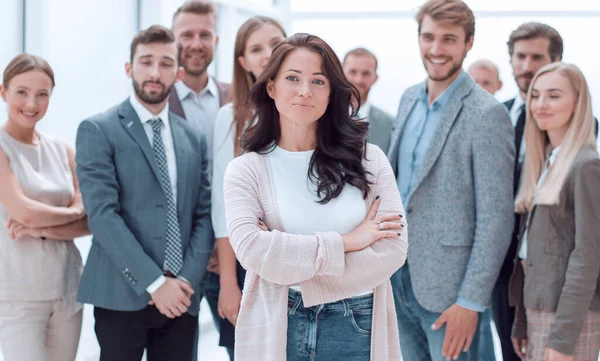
<point x="553" y="154"/>
<point x="518" y="102"/>
<point x="145" y="115"/>
<point x="364" y="110"/>
<point x="183" y="91"/>
<point x="443" y="98"/>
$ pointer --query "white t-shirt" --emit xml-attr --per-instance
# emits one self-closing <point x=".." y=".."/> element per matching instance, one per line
<point x="296" y="197"/>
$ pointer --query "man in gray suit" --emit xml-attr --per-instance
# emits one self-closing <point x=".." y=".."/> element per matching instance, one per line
<point x="452" y="151"/>
<point x="360" y="68"/>
<point x="144" y="180"/>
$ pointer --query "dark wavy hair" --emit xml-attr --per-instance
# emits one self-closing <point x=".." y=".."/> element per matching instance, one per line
<point x="341" y="140"/>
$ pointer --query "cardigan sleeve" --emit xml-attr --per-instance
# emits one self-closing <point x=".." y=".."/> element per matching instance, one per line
<point x="372" y="266"/>
<point x="277" y="257"/>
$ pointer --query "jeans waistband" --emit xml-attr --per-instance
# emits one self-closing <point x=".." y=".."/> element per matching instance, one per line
<point x="359" y="302"/>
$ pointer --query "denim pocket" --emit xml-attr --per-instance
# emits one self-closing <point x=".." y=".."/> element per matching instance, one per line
<point x="361" y="320"/>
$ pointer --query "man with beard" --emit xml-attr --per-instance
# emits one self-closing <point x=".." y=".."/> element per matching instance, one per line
<point x="360" y="68"/>
<point x="531" y="46"/>
<point x="197" y="98"/>
<point x="143" y="174"/>
<point x="453" y="155"/>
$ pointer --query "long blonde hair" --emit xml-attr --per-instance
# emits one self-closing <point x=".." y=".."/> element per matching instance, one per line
<point x="579" y="134"/>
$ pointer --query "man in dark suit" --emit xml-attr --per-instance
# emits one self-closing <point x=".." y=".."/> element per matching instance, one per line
<point x="197" y="98"/>
<point x="531" y="46"/>
<point x="143" y="174"/>
<point x="360" y="68"/>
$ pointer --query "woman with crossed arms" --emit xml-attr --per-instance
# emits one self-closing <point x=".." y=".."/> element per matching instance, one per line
<point x="317" y="285"/>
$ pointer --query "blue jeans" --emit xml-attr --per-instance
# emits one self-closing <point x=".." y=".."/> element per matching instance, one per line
<point x="209" y="288"/>
<point x="486" y="340"/>
<point x="336" y="331"/>
<point x="417" y="341"/>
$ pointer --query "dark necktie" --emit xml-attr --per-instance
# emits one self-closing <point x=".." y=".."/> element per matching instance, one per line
<point x="173" y="251"/>
<point x="519" y="130"/>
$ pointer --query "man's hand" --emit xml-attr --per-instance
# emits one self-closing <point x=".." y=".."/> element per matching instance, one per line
<point x="553" y="355"/>
<point x="230" y="298"/>
<point x="172" y="299"/>
<point x="461" y="324"/>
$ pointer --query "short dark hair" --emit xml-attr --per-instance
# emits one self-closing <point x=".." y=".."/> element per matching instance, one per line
<point x="455" y="12"/>
<point x="361" y="52"/>
<point x="534" y="30"/>
<point x="198" y="7"/>
<point x="154" y="34"/>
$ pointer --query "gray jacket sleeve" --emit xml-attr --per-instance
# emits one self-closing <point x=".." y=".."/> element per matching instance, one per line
<point x="100" y="190"/>
<point x="493" y="162"/>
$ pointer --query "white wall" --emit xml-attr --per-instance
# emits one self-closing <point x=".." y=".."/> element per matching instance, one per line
<point x="12" y="37"/>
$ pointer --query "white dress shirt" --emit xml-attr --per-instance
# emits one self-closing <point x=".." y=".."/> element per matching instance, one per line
<point x="201" y="110"/>
<point x="167" y="137"/>
<point x="547" y="165"/>
<point x="364" y="111"/>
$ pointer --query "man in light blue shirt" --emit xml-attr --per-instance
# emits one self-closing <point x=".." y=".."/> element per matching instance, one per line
<point x="453" y="154"/>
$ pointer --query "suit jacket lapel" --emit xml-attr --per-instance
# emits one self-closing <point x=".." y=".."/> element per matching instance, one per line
<point x="132" y="124"/>
<point x="178" y="135"/>
<point x="403" y="113"/>
<point x="175" y="104"/>
<point x="443" y="129"/>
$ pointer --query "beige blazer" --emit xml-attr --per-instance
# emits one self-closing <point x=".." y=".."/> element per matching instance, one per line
<point x="563" y="257"/>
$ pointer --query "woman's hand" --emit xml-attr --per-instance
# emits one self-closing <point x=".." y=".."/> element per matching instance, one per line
<point x="230" y="298"/>
<point x="372" y="229"/>
<point x="553" y="355"/>
<point x="520" y="346"/>
<point x="18" y="232"/>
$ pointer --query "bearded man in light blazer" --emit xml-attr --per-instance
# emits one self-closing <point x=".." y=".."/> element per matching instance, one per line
<point x="453" y="154"/>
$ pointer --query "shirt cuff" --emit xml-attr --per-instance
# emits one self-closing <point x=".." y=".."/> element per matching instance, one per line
<point x="156" y="284"/>
<point x="470" y="305"/>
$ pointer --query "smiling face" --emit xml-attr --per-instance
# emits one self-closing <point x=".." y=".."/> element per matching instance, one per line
<point x="259" y="47"/>
<point x="197" y="35"/>
<point x="300" y="90"/>
<point x="27" y="97"/>
<point x="529" y="56"/>
<point x="443" y="48"/>
<point x="553" y="102"/>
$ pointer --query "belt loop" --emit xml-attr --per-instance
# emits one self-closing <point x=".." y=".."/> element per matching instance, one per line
<point x="347" y="310"/>
<point x="298" y="297"/>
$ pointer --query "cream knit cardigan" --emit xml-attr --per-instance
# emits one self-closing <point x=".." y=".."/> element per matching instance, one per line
<point x="275" y="260"/>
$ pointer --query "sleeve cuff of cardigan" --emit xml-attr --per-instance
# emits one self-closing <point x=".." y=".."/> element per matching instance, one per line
<point x="334" y="254"/>
<point x="470" y="305"/>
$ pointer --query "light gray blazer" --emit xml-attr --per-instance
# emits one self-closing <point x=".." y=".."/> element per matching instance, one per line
<point x="461" y="210"/>
<point x="380" y="128"/>
<point x="127" y="208"/>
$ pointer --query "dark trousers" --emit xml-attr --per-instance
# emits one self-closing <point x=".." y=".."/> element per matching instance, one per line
<point x="504" y="316"/>
<point x="123" y="335"/>
<point x="210" y="287"/>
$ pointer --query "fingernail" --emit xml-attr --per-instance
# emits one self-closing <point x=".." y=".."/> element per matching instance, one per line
<point x="399" y="234"/>
<point x="260" y="219"/>
<point x="402" y="225"/>
<point x="400" y="215"/>
<point x="376" y="197"/>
